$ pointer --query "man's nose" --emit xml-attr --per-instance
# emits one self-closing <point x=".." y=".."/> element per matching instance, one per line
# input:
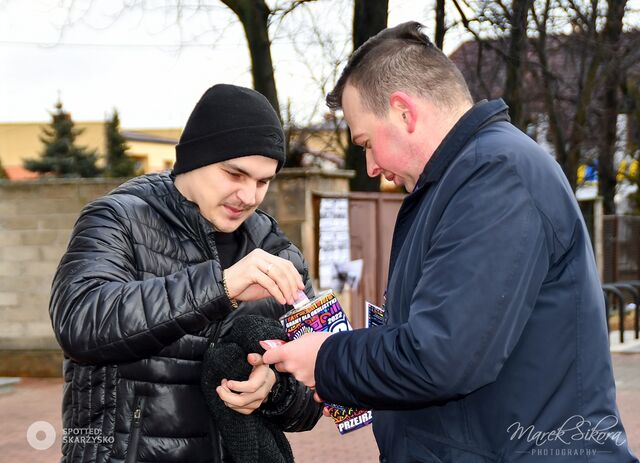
<point x="247" y="194"/>
<point x="373" y="170"/>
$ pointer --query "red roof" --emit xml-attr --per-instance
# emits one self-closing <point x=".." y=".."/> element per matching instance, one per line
<point x="20" y="173"/>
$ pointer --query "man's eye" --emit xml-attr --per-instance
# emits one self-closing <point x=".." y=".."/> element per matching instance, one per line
<point x="234" y="174"/>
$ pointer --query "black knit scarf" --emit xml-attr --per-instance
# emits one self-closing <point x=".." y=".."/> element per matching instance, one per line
<point x="248" y="438"/>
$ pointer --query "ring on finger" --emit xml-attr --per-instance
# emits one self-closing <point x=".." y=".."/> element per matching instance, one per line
<point x="268" y="269"/>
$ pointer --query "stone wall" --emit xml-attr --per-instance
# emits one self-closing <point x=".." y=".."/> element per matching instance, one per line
<point x="36" y="219"/>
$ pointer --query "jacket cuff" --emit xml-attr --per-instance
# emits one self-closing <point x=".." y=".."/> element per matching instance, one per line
<point x="282" y="390"/>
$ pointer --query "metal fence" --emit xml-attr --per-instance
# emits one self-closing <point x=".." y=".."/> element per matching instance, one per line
<point x="621" y="248"/>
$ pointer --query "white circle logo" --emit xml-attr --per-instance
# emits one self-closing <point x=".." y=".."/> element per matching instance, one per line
<point x="41" y="435"/>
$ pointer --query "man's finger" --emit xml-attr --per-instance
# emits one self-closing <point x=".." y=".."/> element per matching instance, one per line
<point x="273" y="356"/>
<point x="237" y="400"/>
<point x="270" y="285"/>
<point x="286" y="276"/>
<point x="249" y="386"/>
<point x="255" y="359"/>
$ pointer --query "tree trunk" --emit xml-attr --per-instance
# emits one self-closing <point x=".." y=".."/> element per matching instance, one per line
<point x="254" y="15"/>
<point x="516" y="61"/>
<point x="612" y="80"/>
<point x="549" y="86"/>
<point x="440" y="23"/>
<point x="369" y="18"/>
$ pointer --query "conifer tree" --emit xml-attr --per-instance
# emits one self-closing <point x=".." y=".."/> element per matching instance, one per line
<point x="61" y="156"/>
<point x="118" y="163"/>
<point x="3" y="173"/>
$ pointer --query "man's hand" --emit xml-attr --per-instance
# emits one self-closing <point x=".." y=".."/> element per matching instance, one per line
<point x="298" y="357"/>
<point x="260" y="274"/>
<point x="246" y="396"/>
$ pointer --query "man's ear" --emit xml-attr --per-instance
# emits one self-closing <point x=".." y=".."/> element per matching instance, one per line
<point x="404" y="107"/>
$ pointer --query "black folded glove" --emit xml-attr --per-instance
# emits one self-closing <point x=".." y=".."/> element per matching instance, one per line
<point x="248" y="438"/>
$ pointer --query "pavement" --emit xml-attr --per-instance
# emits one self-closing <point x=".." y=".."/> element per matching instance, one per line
<point x="33" y="400"/>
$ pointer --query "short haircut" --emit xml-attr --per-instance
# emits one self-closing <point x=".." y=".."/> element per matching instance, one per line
<point x="401" y="58"/>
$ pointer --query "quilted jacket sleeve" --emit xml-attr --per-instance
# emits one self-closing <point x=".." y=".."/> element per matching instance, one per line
<point x="101" y="312"/>
<point x="295" y="410"/>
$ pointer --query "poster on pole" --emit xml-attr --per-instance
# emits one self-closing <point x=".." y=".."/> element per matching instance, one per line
<point x="334" y="245"/>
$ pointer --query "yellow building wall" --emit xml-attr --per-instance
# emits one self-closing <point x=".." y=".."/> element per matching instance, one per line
<point x="153" y="157"/>
<point x="20" y="141"/>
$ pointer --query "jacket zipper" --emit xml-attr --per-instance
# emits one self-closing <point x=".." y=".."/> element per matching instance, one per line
<point x="134" y="436"/>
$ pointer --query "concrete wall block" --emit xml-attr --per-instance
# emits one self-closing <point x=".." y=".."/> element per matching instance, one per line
<point x="8" y="269"/>
<point x="33" y="238"/>
<point x="329" y="185"/>
<point x="293" y="232"/>
<point x="20" y="253"/>
<point x="8" y="299"/>
<point x="269" y="204"/>
<point x="63" y="237"/>
<point x="57" y="221"/>
<point x="17" y="191"/>
<point x="11" y="330"/>
<point x="53" y="191"/>
<point x="19" y="282"/>
<point x="10" y="238"/>
<point x="41" y="329"/>
<point x="32" y="342"/>
<point x="87" y="192"/>
<point x="38" y="237"/>
<point x="50" y="205"/>
<point x="8" y="208"/>
<point x="52" y="253"/>
<point x="23" y="222"/>
<point x="40" y="269"/>
<point x="12" y="315"/>
<point x="35" y="301"/>
<point x="291" y="200"/>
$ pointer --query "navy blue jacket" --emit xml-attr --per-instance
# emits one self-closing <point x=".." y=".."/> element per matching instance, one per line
<point x="495" y="334"/>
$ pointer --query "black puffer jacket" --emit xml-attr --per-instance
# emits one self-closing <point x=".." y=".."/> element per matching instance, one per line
<point x="134" y="302"/>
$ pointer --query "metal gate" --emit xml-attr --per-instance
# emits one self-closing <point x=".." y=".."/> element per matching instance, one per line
<point x="372" y="218"/>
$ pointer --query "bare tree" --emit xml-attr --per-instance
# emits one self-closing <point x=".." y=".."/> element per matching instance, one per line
<point x="561" y="77"/>
<point x="440" y="24"/>
<point x="612" y="80"/>
<point x="323" y="64"/>
<point x="254" y="15"/>
<point x="593" y="100"/>
<point x="369" y="18"/>
<point x="509" y="21"/>
<point x="516" y="60"/>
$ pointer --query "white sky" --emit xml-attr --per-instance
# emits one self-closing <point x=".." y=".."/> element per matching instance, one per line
<point x="136" y="65"/>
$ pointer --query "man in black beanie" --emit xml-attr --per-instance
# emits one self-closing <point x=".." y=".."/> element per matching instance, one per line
<point x="157" y="270"/>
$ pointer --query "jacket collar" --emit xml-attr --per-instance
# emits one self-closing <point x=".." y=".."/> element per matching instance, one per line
<point x="481" y="114"/>
<point x="473" y="120"/>
<point x="159" y="191"/>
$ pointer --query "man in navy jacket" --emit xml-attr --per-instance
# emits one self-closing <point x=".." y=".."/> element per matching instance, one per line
<point x="495" y="345"/>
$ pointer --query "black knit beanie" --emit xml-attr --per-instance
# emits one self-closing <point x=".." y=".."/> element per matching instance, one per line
<point x="229" y="122"/>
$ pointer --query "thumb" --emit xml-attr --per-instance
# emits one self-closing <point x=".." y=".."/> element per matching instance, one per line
<point x="255" y="359"/>
<point x="272" y="356"/>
